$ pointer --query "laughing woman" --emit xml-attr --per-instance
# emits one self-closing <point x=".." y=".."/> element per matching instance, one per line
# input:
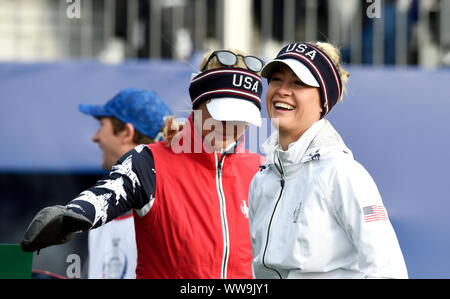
<point x="314" y="211"/>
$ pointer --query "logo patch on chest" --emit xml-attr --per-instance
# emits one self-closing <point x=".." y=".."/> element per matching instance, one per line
<point x="244" y="208"/>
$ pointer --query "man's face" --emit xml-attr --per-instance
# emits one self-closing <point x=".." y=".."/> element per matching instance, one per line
<point x="218" y="134"/>
<point x="110" y="144"/>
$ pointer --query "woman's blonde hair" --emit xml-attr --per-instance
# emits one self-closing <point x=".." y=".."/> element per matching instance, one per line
<point x="335" y="54"/>
<point x="172" y="127"/>
<point x="214" y="62"/>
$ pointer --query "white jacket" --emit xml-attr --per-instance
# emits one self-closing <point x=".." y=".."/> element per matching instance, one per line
<point x="319" y="214"/>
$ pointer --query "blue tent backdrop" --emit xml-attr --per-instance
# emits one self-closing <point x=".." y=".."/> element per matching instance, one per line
<point x="394" y="120"/>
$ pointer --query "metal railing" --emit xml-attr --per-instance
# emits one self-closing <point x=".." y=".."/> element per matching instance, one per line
<point x="404" y="32"/>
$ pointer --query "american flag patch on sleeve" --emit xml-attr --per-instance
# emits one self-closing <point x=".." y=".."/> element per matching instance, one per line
<point x="374" y="213"/>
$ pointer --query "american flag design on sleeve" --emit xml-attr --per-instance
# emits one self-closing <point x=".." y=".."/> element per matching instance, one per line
<point x="374" y="213"/>
<point x="130" y="184"/>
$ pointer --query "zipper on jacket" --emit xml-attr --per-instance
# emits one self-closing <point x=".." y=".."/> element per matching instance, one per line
<point x="282" y="182"/>
<point x="223" y="215"/>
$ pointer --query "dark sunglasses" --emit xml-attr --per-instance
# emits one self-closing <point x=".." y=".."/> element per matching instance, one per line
<point x="229" y="58"/>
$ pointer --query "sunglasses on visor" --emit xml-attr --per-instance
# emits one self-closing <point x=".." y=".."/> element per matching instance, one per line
<point x="229" y="58"/>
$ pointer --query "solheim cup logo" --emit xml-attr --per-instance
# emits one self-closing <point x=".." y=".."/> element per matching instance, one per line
<point x="244" y="208"/>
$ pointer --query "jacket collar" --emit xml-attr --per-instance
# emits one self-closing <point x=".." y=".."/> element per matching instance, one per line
<point x="318" y="140"/>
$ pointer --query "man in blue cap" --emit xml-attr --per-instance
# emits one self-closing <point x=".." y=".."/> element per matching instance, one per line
<point x="132" y="117"/>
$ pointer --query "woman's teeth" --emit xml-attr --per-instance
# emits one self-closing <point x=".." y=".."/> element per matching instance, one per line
<point x="283" y="106"/>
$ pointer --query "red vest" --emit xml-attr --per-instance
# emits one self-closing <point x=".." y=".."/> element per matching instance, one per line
<point x="198" y="224"/>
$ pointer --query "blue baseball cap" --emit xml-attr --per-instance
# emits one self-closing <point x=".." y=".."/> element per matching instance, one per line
<point x="145" y="110"/>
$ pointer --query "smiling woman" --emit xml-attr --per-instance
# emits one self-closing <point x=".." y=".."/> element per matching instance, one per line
<point x="298" y="97"/>
<point x="295" y="105"/>
<point x="311" y="207"/>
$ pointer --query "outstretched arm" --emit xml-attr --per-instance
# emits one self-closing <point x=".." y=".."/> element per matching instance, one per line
<point x="130" y="184"/>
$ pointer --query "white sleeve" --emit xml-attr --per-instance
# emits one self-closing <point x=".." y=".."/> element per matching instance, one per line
<point x="361" y="211"/>
<point x="250" y="217"/>
<point x="250" y="200"/>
